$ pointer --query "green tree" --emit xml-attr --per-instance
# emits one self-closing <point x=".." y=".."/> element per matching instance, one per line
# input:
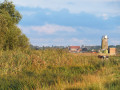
<point x="10" y="8"/>
<point x="3" y="27"/>
<point x="23" y="41"/>
<point x="11" y="36"/>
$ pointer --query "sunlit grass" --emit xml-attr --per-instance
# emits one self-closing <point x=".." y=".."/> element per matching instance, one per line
<point x="56" y="69"/>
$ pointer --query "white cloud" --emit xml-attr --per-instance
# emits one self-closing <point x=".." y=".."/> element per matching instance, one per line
<point x="25" y="30"/>
<point x="97" y="7"/>
<point x="77" y="41"/>
<point x="114" y="41"/>
<point x="89" y="30"/>
<point x="59" y="41"/>
<point x="71" y="35"/>
<point x="48" y="13"/>
<point x="28" y="13"/>
<point x="105" y="16"/>
<point x="47" y="29"/>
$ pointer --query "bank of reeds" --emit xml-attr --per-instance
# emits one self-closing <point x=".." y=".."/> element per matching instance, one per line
<point x="56" y="69"/>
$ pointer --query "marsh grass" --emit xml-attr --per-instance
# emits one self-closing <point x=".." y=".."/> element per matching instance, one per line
<point x="56" y="69"/>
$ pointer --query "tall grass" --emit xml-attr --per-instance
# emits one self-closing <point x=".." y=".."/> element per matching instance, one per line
<point x="56" y="69"/>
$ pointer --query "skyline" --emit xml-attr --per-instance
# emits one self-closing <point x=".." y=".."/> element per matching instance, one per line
<point x="70" y="22"/>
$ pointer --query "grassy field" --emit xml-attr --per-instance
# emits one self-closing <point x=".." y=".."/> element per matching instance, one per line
<point x="56" y="69"/>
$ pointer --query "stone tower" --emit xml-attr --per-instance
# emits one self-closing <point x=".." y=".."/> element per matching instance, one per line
<point x="104" y="45"/>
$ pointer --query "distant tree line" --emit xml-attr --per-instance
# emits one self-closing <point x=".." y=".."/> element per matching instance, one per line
<point x="46" y="47"/>
<point x="11" y="36"/>
<point x="118" y="48"/>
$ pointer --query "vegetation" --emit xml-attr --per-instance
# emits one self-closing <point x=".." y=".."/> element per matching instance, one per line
<point x="118" y="48"/>
<point x="51" y="68"/>
<point x="11" y="36"/>
<point x="56" y="69"/>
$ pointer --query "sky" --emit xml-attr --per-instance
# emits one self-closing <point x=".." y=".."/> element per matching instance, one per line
<point x="69" y="22"/>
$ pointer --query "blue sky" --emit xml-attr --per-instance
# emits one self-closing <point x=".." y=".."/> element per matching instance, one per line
<point x="69" y="22"/>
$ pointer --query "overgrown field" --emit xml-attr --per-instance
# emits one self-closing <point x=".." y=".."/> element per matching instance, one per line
<point x="56" y="69"/>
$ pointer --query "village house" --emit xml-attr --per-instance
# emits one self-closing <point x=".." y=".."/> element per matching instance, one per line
<point x="75" y="49"/>
<point x="112" y="51"/>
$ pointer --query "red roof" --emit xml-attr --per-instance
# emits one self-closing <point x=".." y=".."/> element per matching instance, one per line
<point x="74" y="47"/>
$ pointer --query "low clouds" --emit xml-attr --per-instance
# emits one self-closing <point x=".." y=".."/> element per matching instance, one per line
<point x="48" y="29"/>
<point x="51" y="34"/>
<point x="105" y="16"/>
<point x="28" y="13"/>
<point x="59" y="41"/>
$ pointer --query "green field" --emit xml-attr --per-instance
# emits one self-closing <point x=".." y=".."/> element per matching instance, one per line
<point x="56" y="69"/>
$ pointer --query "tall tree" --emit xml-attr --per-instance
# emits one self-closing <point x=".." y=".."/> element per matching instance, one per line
<point x="11" y="36"/>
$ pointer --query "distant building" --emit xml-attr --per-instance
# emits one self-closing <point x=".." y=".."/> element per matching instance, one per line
<point x="75" y="49"/>
<point x="104" y="44"/>
<point x="112" y="51"/>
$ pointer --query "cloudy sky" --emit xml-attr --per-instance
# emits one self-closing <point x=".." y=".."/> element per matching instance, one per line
<point x="69" y="22"/>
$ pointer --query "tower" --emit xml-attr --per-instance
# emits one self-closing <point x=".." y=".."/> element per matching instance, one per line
<point x="104" y="45"/>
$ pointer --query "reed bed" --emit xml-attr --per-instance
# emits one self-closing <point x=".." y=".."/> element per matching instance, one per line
<point x="57" y="69"/>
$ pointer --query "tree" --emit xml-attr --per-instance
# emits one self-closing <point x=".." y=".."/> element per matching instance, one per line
<point x="3" y="27"/>
<point x="10" y="8"/>
<point x="11" y="36"/>
<point x="23" y="41"/>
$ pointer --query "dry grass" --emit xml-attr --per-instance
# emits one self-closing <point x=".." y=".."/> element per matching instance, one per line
<point x="57" y="70"/>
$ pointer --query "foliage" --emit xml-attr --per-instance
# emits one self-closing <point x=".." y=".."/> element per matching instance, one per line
<point x="118" y="48"/>
<point x="10" y="8"/>
<point x="11" y="36"/>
